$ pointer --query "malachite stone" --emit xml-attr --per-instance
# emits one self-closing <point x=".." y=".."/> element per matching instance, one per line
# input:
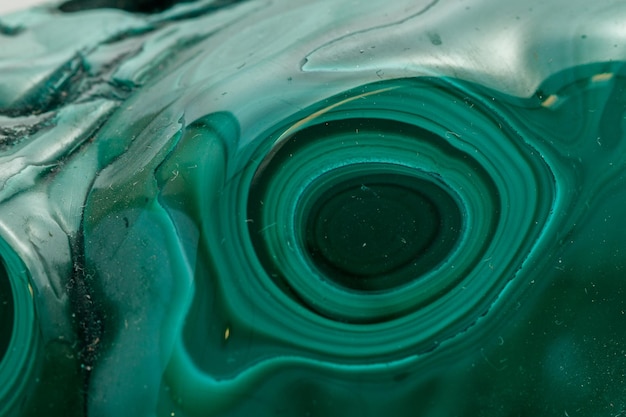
<point x="313" y="208"/>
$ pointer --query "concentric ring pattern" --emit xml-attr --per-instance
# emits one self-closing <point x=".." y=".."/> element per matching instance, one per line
<point x="409" y="177"/>
<point x="368" y="230"/>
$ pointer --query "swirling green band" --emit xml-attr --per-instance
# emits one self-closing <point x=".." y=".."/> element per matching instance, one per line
<point x="349" y="176"/>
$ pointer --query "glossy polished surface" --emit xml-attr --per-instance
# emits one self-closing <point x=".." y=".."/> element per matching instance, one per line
<point x="330" y="208"/>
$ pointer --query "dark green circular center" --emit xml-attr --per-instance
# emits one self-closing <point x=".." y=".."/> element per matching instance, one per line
<point x="6" y="311"/>
<point x="347" y="203"/>
<point x="378" y="231"/>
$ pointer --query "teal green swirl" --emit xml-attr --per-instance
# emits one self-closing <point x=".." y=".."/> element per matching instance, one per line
<point x="489" y="191"/>
<point x="244" y="293"/>
<point x="267" y="208"/>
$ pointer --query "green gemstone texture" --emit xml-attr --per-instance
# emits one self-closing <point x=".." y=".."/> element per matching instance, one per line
<point x="223" y="208"/>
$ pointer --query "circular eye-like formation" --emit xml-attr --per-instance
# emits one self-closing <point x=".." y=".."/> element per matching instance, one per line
<point x="18" y="339"/>
<point x="406" y="207"/>
<point x="358" y="207"/>
<point x="363" y="234"/>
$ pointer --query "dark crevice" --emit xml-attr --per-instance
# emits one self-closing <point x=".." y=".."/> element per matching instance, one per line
<point x="71" y="83"/>
<point x="61" y="86"/>
<point x="189" y="14"/>
<point x="13" y="135"/>
<point x="10" y="30"/>
<point x="89" y="318"/>
<point x="209" y="8"/>
<point x="87" y="314"/>
<point x="127" y="34"/>
<point x="134" y="6"/>
<point x="146" y="7"/>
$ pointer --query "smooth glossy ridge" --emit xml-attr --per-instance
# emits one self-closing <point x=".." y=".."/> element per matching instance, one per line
<point x="330" y="208"/>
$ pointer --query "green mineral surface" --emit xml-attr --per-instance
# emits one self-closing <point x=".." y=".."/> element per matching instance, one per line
<point x="329" y="208"/>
